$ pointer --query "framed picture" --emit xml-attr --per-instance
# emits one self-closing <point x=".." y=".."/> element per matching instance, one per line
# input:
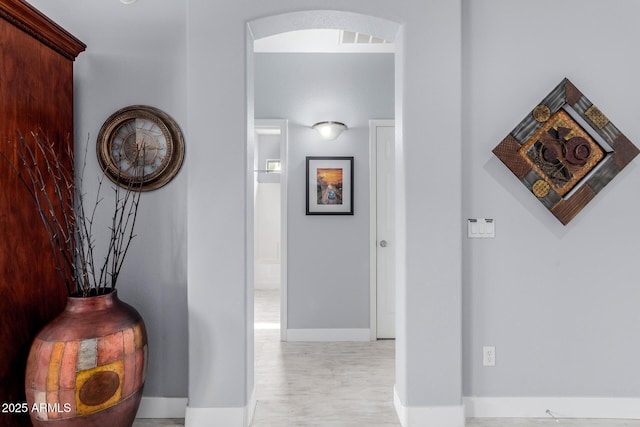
<point x="329" y="185"/>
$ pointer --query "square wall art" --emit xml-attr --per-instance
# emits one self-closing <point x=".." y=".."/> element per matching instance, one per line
<point x="565" y="151"/>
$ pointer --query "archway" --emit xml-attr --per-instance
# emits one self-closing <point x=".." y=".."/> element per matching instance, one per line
<point x="273" y="25"/>
<point x="428" y="74"/>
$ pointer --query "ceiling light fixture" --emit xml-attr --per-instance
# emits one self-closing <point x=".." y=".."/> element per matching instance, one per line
<point x="330" y="130"/>
<point x="128" y="1"/>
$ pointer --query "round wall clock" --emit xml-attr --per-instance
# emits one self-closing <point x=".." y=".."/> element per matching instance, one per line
<point x="140" y="147"/>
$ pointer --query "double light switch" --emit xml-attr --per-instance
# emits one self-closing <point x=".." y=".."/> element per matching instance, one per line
<point x="481" y="228"/>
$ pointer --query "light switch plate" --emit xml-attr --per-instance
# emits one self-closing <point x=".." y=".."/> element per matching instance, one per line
<point x="481" y="228"/>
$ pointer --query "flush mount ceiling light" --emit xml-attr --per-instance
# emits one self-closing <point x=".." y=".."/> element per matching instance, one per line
<point x="128" y="1"/>
<point x="330" y="130"/>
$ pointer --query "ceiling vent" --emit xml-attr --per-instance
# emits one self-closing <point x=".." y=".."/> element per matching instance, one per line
<point x="351" y="37"/>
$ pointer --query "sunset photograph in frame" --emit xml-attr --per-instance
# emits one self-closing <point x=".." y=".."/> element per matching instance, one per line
<point x="329" y="185"/>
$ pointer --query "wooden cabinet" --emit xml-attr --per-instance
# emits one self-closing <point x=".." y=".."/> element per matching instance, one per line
<point x="36" y="95"/>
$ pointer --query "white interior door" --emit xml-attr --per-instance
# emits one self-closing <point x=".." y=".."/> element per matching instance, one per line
<point x="385" y="239"/>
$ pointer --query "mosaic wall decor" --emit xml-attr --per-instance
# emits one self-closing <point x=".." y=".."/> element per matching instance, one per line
<point x="565" y="151"/>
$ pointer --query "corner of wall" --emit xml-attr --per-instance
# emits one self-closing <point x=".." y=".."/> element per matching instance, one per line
<point x="423" y="416"/>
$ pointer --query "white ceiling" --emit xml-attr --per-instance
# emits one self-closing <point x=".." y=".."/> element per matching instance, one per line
<point x="322" y="41"/>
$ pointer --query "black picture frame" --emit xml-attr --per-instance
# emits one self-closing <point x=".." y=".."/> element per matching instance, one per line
<point x="329" y="185"/>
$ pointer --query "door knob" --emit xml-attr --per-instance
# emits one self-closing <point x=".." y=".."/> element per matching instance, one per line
<point x="383" y="243"/>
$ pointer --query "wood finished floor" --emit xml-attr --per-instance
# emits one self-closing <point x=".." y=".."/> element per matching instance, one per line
<point x="336" y="384"/>
<point x="317" y="384"/>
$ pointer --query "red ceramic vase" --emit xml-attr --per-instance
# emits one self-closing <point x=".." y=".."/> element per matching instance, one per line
<point x="87" y="367"/>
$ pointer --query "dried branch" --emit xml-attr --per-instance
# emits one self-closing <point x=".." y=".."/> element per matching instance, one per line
<point x="60" y="201"/>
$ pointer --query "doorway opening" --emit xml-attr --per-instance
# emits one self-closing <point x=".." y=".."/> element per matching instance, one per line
<point x="270" y="227"/>
<point x="328" y="103"/>
<point x="276" y="25"/>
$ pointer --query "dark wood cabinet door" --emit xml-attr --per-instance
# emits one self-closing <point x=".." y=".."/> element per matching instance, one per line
<point x="36" y="96"/>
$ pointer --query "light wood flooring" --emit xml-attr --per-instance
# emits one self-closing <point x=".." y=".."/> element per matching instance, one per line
<point x="316" y="384"/>
<point x="336" y="384"/>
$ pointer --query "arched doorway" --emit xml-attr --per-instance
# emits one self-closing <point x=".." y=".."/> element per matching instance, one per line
<point x="428" y="145"/>
<point x="273" y="25"/>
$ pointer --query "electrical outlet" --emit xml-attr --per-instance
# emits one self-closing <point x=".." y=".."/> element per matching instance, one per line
<point x="489" y="356"/>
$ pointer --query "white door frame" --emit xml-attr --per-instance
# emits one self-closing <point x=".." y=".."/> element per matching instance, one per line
<point x="281" y="125"/>
<point x="373" y="222"/>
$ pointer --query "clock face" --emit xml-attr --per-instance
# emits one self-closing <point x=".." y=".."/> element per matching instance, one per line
<point x="140" y="147"/>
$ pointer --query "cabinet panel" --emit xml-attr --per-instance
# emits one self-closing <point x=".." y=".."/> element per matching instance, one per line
<point x="36" y="95"/>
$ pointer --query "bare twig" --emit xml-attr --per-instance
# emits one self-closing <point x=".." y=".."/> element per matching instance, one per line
<point x="60" y="201"/>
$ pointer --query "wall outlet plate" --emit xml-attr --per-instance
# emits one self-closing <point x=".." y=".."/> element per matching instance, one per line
<point x="489" y="356"/>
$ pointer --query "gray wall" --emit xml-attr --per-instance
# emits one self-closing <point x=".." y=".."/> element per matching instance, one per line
<point x="328" y="277"/>
<point x="548" y="297"/>
<point x="558" y="302"/>
<point x="267" y="148"/>
<point x="124" y="66"/>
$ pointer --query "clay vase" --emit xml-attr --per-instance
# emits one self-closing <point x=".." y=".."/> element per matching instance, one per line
<point x="87" y="367"/>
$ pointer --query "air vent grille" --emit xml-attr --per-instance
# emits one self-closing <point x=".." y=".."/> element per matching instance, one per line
<point x="351" y="37"/>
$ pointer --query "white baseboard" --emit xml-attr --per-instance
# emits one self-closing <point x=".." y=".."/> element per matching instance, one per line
<point x="559" y="407"/>
<point x="428" y="416"/>
<point x="162" y="407"/>
<point x="266" y="286"/>
<point x="227" y="417"/>
<point x="251" y="407"/>
<point x="327" y="335"/>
